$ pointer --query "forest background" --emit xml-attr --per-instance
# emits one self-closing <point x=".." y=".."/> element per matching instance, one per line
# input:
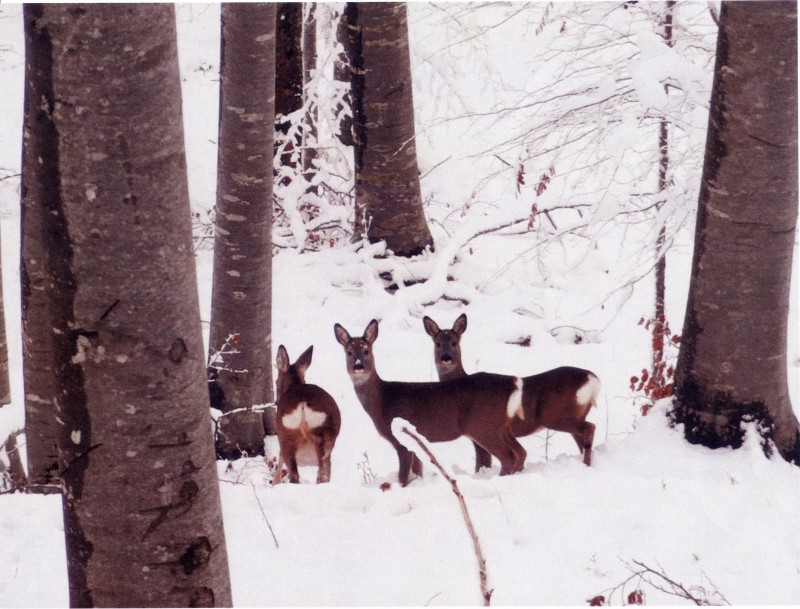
<point x="518" y="108"/>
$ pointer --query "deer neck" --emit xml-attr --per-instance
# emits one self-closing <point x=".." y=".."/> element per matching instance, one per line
<point x="368" y="388"/>
<point x="376" y="396"/>
<point x="451" y="373"/>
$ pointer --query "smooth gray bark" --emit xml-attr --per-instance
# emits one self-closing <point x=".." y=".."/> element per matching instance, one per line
<point x="388" y="198"/>
<point x="142" y="510"/>
<point x="241" y="301"/>
<point x="732" y="365"/>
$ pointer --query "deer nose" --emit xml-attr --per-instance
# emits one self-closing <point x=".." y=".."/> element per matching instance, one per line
<point x="358" y="365"/>
<point x="447" y="358"/>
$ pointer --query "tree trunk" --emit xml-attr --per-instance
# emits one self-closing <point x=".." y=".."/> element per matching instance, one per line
<point x="5" y="386"/>
<point x="732" y="365"/>
<point x="142" y="512"/>
<point x="43" y="262"/>
<point x="288" y="72"/>
<point x="388" y="199"/>
<point x="309" y="151"/>
<point x="660" y="310"/>
<point x="241" y="304"/>
<point x="342" y="72"/>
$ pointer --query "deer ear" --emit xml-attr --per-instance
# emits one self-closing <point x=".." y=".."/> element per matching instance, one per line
<point x="304" y="361"/>
<point x="371" y="333"/>
<point x="430" y="326"/>
<point x="282" y="359"/>
<point x="461" y="324"/>
<point x="341" y="335"/>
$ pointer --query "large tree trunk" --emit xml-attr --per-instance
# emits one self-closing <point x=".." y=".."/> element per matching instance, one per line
<point x="241" y="303"/>
<point x="732" y="365"/>
<point x="143" y="519"/>
<point x="46" y="286"/>
<point x="388" y="199"/>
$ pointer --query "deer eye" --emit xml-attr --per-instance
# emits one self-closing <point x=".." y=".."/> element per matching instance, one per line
<point x="349" y="354"/>
<point x="366" y="351"/>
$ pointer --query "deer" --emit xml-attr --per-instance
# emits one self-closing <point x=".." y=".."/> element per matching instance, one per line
<point x="479" y="406"/>
<point x="307" y="420"/>
<point x="558" y="399"/>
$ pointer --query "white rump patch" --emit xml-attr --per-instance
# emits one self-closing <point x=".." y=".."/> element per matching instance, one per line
<point x="587" y="394"/>
<point x="514" y="407"/>
<point x="303" y="414"/>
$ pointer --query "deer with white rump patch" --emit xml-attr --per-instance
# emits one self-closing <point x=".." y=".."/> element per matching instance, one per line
<point x="558" y="399"/>
<point x="307" y="420"/>
<point x="479" y="406"/>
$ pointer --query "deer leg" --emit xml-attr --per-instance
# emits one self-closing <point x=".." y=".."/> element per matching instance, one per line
<point x="482" y="458"/>
<point x="291" y="464"/>
<point x="286" y="456"/>
<point x="517" y="450"/>
<point x="588" y="441"/>
<point x="416" y="465"/>
<point x="408" y="460"/>
<point x="508" y="451"/>
<point x="276" y="479"/>
<point x="583" y="434"/>
<point x="324" y="450"/>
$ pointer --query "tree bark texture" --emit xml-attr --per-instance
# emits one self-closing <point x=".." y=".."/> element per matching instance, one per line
<point x="5" y="385"/>
<point x="288" y="71"/>
<point x="660" y="310"/>
<point x="342" y="70"/>
<point x="288" y="57"/>
<point x="241" y="302"/>
<point x="388" y="198"/>
<point x="309" y="151"/>
<point x="732" y="365"/>
<point x="142" y="511"/>
<point x="44" y="262"/>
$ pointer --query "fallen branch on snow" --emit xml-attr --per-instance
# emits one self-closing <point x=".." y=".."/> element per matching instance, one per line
<point x="659" y="580"/>
<point x="486" y="593"/>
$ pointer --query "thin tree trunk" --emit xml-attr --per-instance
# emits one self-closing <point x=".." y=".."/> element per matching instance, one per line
<point x="309" y="152"/>
<point x="241" y="302"/>
<point x="388" y="198"/>
<point x="732" y="365"/>
<point x="343" y="71"/>
<point x="660" y="313"/>
<point x="142" y="511"/>
<point x="5" y="386"/>
<point x="288" y="72"/>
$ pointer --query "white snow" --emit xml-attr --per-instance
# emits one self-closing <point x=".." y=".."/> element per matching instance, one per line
<point x="723" y="523"/>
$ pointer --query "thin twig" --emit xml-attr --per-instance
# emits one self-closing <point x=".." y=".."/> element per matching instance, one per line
<point x="677" y="588"/>
<point x="700" y="598"/>
<point x="486" y="593"/>
<point x="269" y="526"/>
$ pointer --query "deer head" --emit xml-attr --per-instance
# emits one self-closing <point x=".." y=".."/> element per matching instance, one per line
<point x="447" y="347"/>
<point x="290" y="374"/>
<point x="358" y="352"/>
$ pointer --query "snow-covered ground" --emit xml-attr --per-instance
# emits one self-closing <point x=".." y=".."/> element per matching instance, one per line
<point x="721" y="523"/>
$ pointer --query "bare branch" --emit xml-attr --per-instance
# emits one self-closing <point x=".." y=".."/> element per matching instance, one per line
<point x="486" y="593"/>
<point x="269" y="526"/>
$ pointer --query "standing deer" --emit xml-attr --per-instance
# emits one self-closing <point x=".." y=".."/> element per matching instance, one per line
<point x="307" y="421"/>
<point x="558" y="399"/>
<point x="479" y="406"/>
